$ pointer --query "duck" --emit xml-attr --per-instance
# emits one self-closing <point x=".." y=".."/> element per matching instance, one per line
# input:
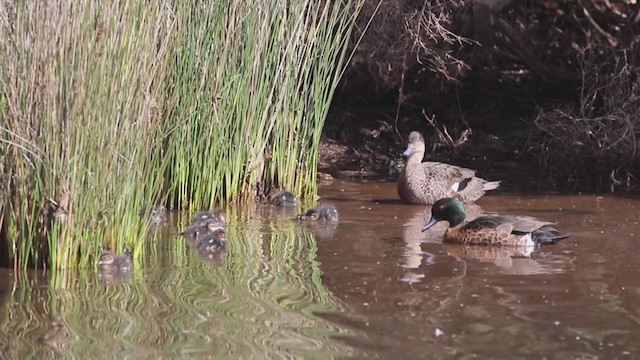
<point x="425" y="182"/>
<point x="282" y="198"/>
<point x="158" y="215"/>
<point x="326" y="212"/>
<point x="110" y="261"/>
<point x="213" y="241"/>
<point x="204" y="217"/>
<point x="197" y="230"/>
<point x="491" y="229"/>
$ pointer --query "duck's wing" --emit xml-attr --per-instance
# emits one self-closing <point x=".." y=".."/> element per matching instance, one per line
<point x="489" y="221"/>
<point x="447" y="171"/>
<point x="515" y="224"/>
<point x="528" y="224"/>
<point x="454" y="177"/>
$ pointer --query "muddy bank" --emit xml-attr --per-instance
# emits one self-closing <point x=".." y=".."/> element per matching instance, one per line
<point x="545" y="86"/>
<point x="367" y="149"/>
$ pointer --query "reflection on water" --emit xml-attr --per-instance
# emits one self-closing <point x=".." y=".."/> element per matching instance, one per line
<point x="258" y="302"/>
<point x="414" y="237"/>
<point x="371" y="286"/>
<point x="414" y="297"/>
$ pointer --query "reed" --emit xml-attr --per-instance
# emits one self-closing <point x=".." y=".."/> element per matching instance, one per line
<point x="82" y="127"/>
<point x="253" y="82"/>
<point x="108" y="108"/>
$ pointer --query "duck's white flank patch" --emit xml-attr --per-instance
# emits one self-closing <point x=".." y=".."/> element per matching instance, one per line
<point x="526" y="240"/>
<point x="455" y="186"/>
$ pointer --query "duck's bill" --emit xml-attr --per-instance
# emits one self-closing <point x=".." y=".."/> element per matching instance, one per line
<point x="430" y="224"/>
<point x="409" y="151"/>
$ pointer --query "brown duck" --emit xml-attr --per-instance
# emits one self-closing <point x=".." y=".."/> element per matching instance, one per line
<point x="425" y="182"/>
<point x="491" y="229"/>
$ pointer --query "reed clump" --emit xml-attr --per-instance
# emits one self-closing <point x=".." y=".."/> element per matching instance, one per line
<point x="109" y="108"/>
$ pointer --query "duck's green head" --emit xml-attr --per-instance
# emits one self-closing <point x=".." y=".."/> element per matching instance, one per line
<point x="448" y="209"/>
<point x="416" y="144"/>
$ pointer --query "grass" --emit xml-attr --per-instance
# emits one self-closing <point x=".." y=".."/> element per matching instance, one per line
<point x="107" y="109"/>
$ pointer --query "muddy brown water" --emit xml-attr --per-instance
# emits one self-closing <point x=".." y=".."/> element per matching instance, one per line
<point x="373" y="286"/>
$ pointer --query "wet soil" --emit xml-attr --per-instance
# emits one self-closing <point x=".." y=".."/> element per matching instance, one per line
<point x="355" y="147"/>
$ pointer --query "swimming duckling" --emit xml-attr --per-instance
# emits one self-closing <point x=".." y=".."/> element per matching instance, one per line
<point x="110" y="261"/>
<point x="216" y="216"/>
<point x="213" y="241"/>
<point x="491" y="229"/>
<point x="197" y="231"/>
<point x="158" y="215"/>
<point x="425" y="182"/>
<point x="326" y="212"/>
<point x="282" y="198"/>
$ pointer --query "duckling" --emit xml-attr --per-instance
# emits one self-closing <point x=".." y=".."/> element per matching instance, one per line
<point x="326" y="212"/>
<point x="491" y="229"/>
<point x="282" y="198"/>
<point x="425" y="182"/>
<point x="213" y="241"/>
<point x="110" y="261"/>
<point x="158" y="215"/>
<point x="215" y="216"/>
<point x="199" y="230"/>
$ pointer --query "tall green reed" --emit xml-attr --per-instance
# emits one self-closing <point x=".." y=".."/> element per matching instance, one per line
<point x="253" y="83"/>
<point x="82" y="126"/>
<point x="112" y="107"/>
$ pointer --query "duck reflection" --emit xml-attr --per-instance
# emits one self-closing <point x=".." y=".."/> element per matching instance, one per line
<point x="413" y="236"/>
<point x="213" y="246"/>
<point x="57" y="335"/>
<point x="510" y="260"/>
<point x="322" y="230"/>
<point x="110" y="277"/>
<point x="216" y="257"/>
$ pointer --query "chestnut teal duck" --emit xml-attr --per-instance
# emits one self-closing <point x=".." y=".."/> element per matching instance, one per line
<point x="282" y="198"/>
<point x="491" y="229"/>
<point x="215" y="216"/>
<point x="213" y="241"/>
<point x="425" y="182"/>
<point x="110" y="261"/>
<point x="197" y="231"/>
<point x="158" y="216"/>
<point x="325" y="212"/>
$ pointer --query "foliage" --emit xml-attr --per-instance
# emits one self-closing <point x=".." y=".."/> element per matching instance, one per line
<point x="111" y="108"/>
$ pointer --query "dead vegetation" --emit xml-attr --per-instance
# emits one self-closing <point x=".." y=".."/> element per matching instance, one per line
<point x="560" y="77"/>
<point x="602" y="128"/>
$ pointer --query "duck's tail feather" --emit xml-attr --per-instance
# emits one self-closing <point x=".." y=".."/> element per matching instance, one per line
<point x="490" y="185"/>
<point x="548" y="235"/>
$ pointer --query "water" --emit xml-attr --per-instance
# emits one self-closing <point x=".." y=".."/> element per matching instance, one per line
<point x="374" y="286"/>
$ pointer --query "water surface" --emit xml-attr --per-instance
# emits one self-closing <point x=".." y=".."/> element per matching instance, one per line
<point x="372" y="286"/>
